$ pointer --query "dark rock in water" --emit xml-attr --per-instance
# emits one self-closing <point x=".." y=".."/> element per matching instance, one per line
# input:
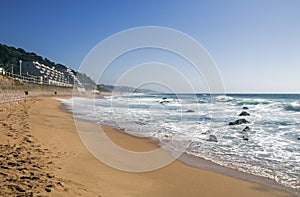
<point x="246" y="137"/>
<point x="239" y="121"/>
<point x="206" y="132"/>
<point x="245" y="108"/>
<point x="298" y="138"/>
<point x="139" y="123"/>
<point x="164" y="98"/>
<point x="244" y="113"/>
<point x="246" y="129"/>
<point x="212" y="138"/>
<point x="189" y="111"/>
<point x="164" y="101"/>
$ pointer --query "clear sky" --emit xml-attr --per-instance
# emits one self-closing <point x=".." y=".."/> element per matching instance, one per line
<point x="255" y="43"/>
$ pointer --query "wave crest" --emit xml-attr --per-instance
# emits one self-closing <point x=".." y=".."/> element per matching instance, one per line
<point x="292" y="107"/>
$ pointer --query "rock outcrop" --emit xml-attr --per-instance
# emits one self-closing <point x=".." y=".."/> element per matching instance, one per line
<point x="246" y="137"/>
<point x="239" y="121"/>
<point x="246" y="129"/>
<point x="244" y="113"/>
<point x="212" y="138"/>
<point x="190" y="111"/>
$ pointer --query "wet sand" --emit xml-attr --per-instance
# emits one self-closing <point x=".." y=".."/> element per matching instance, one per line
<point x="41" y="153"/>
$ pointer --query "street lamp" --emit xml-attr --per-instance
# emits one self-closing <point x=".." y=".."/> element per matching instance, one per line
<point x="20" y="67"/>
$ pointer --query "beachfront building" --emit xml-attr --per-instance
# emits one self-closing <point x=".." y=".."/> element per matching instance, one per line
<point x="75" y="79"/>
<point x="48" y="75"/>
<point x="2" y="71"/>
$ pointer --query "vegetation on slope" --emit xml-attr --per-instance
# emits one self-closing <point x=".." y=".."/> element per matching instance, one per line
<point x="10" y="57"/>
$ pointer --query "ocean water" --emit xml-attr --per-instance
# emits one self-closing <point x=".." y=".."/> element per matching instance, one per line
<point x="186" y="122"/>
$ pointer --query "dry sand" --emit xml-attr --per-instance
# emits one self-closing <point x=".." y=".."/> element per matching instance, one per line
<point x="42" y="154"/>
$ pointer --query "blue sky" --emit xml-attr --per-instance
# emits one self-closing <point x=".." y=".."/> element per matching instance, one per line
<point x="255" y="43"/>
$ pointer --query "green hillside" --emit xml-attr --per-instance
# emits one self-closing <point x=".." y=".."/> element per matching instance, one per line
<point x="10" y="57"/>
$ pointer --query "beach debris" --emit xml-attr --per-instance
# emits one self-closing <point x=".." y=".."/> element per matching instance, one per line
<point x="26" y="93"/>
<point x="244" y="113"/>
<point x="246" y="129"/>
<point x="245" y="108"/>
<point x="239" y="121"/>
<point x="212" y="138"/>
<point x="190" y="111"/>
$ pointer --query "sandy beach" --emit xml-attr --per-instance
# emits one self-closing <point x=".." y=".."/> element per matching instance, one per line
<point x="42" y="154"/>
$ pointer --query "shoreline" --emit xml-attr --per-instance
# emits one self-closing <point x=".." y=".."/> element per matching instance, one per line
<point x="207" y="165"/>
<point x="210" y="166"/>
<point x="203" y="164"/>
<point x="73" y="171"/>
